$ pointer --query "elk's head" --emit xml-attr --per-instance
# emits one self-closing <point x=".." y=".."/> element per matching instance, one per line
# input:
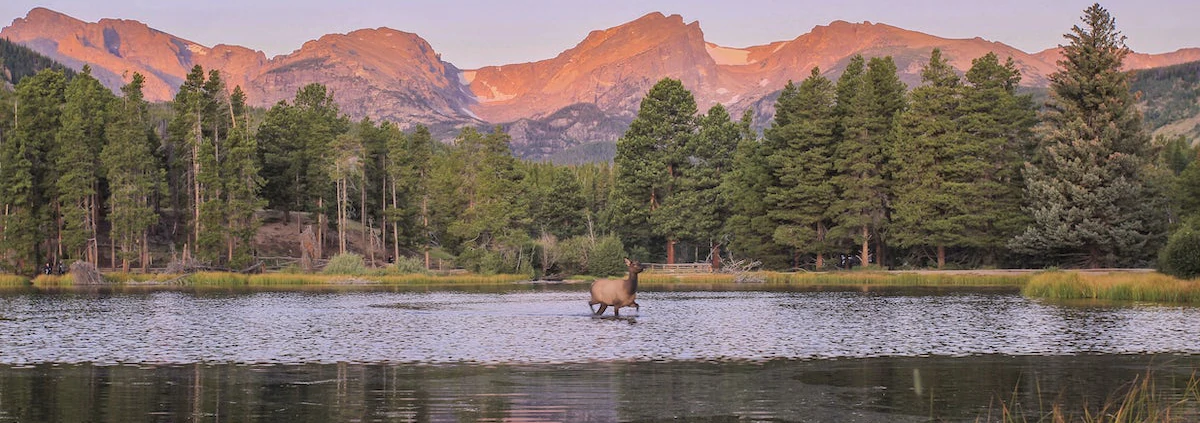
<point x="634" y="266"/>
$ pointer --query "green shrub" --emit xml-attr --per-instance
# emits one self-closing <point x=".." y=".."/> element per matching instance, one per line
<point x="408" y="265"/>
<point x="1181" y="256"/>
<point x="607" y="257"/>
<point x="345" y="264"/>
<point x="573" y="255"/>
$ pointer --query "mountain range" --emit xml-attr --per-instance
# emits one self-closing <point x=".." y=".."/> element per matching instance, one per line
<point x="582" y="99"/>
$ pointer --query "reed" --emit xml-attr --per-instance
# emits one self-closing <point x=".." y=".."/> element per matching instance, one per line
<point x="1115" y="286"/>
<point x="53" y="280"/>
<point x="1137" y="402"/>
<point x="13" y="280"/>
<point x="139" y="278"/>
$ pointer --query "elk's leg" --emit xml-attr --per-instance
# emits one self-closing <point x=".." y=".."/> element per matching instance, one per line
<point x="602" y="308"/>
<point x="616" y="311"/>
<point x="592" y="306"/>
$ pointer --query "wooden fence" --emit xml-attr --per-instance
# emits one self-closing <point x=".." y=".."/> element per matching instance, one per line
<point x="678" y="267"/>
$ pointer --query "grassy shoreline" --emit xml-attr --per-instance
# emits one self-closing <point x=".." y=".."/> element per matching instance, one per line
<point x="1137" y="286"/>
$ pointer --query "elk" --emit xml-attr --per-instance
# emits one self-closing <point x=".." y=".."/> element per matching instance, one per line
<point x="616" y="292"/>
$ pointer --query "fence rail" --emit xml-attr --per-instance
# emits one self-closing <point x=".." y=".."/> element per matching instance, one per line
<point x="678" y="267"/>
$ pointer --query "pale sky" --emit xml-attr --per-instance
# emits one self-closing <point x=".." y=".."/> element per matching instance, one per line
<point x="474" y="33"/>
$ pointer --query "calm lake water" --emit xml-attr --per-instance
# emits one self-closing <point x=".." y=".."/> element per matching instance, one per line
<point x="535" y="354"/>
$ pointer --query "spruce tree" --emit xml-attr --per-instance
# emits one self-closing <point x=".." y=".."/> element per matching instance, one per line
<point x="801" y="140"/>
<point x="1087" y="187"/>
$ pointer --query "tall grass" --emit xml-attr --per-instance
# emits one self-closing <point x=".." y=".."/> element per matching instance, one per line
<point x="776" y="279"/>
<point x="13" y="280"/>
<point x="1137" y="402"/>
<point x="1117" y="286"/>
<point x="53" y="280"/>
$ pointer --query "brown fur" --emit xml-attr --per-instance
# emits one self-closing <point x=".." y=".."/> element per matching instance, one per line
<point x="616" y="292"/>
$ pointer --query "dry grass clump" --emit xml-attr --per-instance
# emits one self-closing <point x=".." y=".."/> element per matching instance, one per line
<point x="1116" y="286"/>
<point x="13" y="280"/>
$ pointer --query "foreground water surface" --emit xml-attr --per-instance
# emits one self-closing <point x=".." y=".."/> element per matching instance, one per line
<point x="536" y="354"/>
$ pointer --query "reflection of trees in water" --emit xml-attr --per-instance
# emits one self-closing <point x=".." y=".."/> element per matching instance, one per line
<point x="883" y="389"/>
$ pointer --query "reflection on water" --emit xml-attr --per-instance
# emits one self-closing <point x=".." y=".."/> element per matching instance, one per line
<point x="850" y="390"/>
<point x="537" y="355"/>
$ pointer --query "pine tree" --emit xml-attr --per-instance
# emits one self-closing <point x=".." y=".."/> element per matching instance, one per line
<point x="801" y="140"/>
<point x="744" y="188"/>
<point x="1087" y="187"/>
<point x="931" y="187"/>
<point x="409" y="169"/>
<point x="133" y="175"/>
<point x="696" y="207"/>
<point x="494" y="220"/>
<point x="294" y="143"/>
<point x="998" y="122"/>
<point x="868" y="99"/>
<point x="649" y="159"/>
<point x="27" y="180"/>
<point x="78" y="164"/>
<point x="242" y="185"/>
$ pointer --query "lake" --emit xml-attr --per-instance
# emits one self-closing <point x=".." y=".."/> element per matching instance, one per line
<point x="533" y="353"/>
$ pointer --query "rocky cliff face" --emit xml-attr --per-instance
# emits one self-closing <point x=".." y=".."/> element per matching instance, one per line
<point x="583" y="96"/>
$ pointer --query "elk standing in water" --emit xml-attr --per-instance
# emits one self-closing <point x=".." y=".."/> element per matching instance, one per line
<point x="616" y="292"/>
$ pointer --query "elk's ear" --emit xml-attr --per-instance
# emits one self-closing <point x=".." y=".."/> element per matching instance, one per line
<point x="627" y="262"/>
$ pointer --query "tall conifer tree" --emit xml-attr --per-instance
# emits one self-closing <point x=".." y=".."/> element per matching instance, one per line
<point x="1087" y="187"/>
<point x="801" y="140"/>
<point x="649" y="160"/>
<point x="27" y="180"/>
<point x="930" y="186"/>
<point x="134" y="177"/>
<point x="78" y="162"/>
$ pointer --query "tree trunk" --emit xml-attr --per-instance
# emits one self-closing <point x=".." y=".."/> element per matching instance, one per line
<point x="425" y="226"/>
<point x="145" y="251"/>
<point x="125" y="260"/>
<point x="670" y="251"/>
<point x="362" y="213"/>
<point x="941" y="256"/>
<point x="820" y="261"/>
<point x="715" y="252"/>
<point x="866" y="246"/>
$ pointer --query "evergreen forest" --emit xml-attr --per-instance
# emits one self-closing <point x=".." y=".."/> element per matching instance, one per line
<point x="960" y="171"/>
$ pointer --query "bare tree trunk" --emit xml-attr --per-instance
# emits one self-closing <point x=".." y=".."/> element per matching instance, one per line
<point x="866" y="246"/>
<point x="396" y="226"/>
<point x="425" y="225"/>
<point x="125" y="260"/>
<point x="362" y="213"/>
<point x="145" y="251"/>
<point x="941" y="256"/>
